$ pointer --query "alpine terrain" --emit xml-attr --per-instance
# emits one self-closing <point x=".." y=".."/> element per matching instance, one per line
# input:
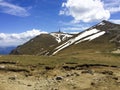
<point x="103" y="37"/>
<point x="89" y="60"/>
<point x="40" y="44"/>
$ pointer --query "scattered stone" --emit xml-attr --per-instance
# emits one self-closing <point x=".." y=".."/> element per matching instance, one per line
<point x="72" y="74"/>
<point x="114" y="66"/>
<point x="29" y="85"/>
<point x="76" y="74"/>
<point x="107" y="72"/>
<point x="68" y="75"/>
<point x="87" y="71"/>
<point x="115" y="78"/>
<point x="92" y="83"/>
<point x="49" y="68"/>
<point x="2" y="66"/>
<point x="12" y="78"/>
<point x="68" y="68"/>
<point x="59" y="78"/>
<point x="74" y="87"/>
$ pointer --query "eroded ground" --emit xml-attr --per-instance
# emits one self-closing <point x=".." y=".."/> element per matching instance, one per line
<point x="69" y="76"/>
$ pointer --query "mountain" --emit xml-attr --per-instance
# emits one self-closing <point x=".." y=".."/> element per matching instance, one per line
<point x="41" y="43"/>
<point x="105" y="33"/>
<point x="6" y="50"/>
<point x="102" y="37"/>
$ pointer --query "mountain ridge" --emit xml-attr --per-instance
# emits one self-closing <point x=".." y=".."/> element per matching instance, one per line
<point x="102" y="29"/>
<point x="41" y="43"/>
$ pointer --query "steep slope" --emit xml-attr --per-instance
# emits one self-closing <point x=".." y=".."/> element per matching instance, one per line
<point x="104" y="34"/>
<point x="41" y="43"/>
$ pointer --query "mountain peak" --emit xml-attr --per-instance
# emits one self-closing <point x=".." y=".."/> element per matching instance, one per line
<point x="103" y="32"/>
<point x="108" y="22"/>
<point x="106" y="26"/>
<point x="105" y="21"/>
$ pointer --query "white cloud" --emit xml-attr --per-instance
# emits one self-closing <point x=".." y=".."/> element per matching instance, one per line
<point x="85" y="10"/>
<point x="18" y="38"/>
<point x="115" y="21"/>
<point x="12" y="9"/>
<point x="112" y="5"/>
<point x="74" y="28"/>
<point x="115" y="9"/>
<point x="71" y="27"/>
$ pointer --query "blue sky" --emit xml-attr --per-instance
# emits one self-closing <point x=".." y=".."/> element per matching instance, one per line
<point x="41" y="16"/>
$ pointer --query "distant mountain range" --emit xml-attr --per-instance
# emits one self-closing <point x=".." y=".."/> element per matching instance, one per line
<point x="6" y="50"/>
<point x="102" y="37"/>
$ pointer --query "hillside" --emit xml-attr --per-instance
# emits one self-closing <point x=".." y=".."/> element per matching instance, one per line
<point x="102" y="37"/>
<point x="41" y="43"/>
<point x="84" y="61"/>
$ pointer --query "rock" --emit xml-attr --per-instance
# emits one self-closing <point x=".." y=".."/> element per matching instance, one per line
<point x="76" y="74"/>
<point x="115" y="78"/>
<point x="107" y="72"/>
<point x="92" y="83"/>
<point x="12" y="78"/>
<point x="68" y="68"/>
<point x="68" y="75"/>
<point x="2" y="66"/>
<point x="49" y="68"/>
<point x="72" y="74"/>
<point x="29" y="85"/>
<point x="87" y="71"/>
<point x="59" y="78"/>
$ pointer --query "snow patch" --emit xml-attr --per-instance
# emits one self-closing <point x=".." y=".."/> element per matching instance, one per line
<point x="92" y="34"/>
<point x="86" y="33"/>
<point x="92" y="37"/>
<point x="61" y="36"/>
<point x="80" y="36"/>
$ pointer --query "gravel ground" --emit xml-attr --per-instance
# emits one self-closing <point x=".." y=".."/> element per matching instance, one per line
<point x="96" y="78"/>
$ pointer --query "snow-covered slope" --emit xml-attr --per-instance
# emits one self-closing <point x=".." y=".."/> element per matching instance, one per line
<point x="98" y="30"/>
<point x="101" y="34"/>
<point x="86" y="35"/>
<point x="59" y="36"/>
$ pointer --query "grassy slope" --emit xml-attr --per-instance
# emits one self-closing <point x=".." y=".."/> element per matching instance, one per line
<point x="36" y="45"/>
<point x="79" y="58"/>
<point x="94" y="52"/>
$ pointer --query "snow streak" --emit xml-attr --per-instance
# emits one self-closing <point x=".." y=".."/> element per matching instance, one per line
<point x="87" y="35"/>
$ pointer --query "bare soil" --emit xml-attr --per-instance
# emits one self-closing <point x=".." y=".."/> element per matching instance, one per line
<point x="77" y="77"/>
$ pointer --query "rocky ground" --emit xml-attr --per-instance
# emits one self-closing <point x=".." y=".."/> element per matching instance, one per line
<point x="66" y="77"/>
